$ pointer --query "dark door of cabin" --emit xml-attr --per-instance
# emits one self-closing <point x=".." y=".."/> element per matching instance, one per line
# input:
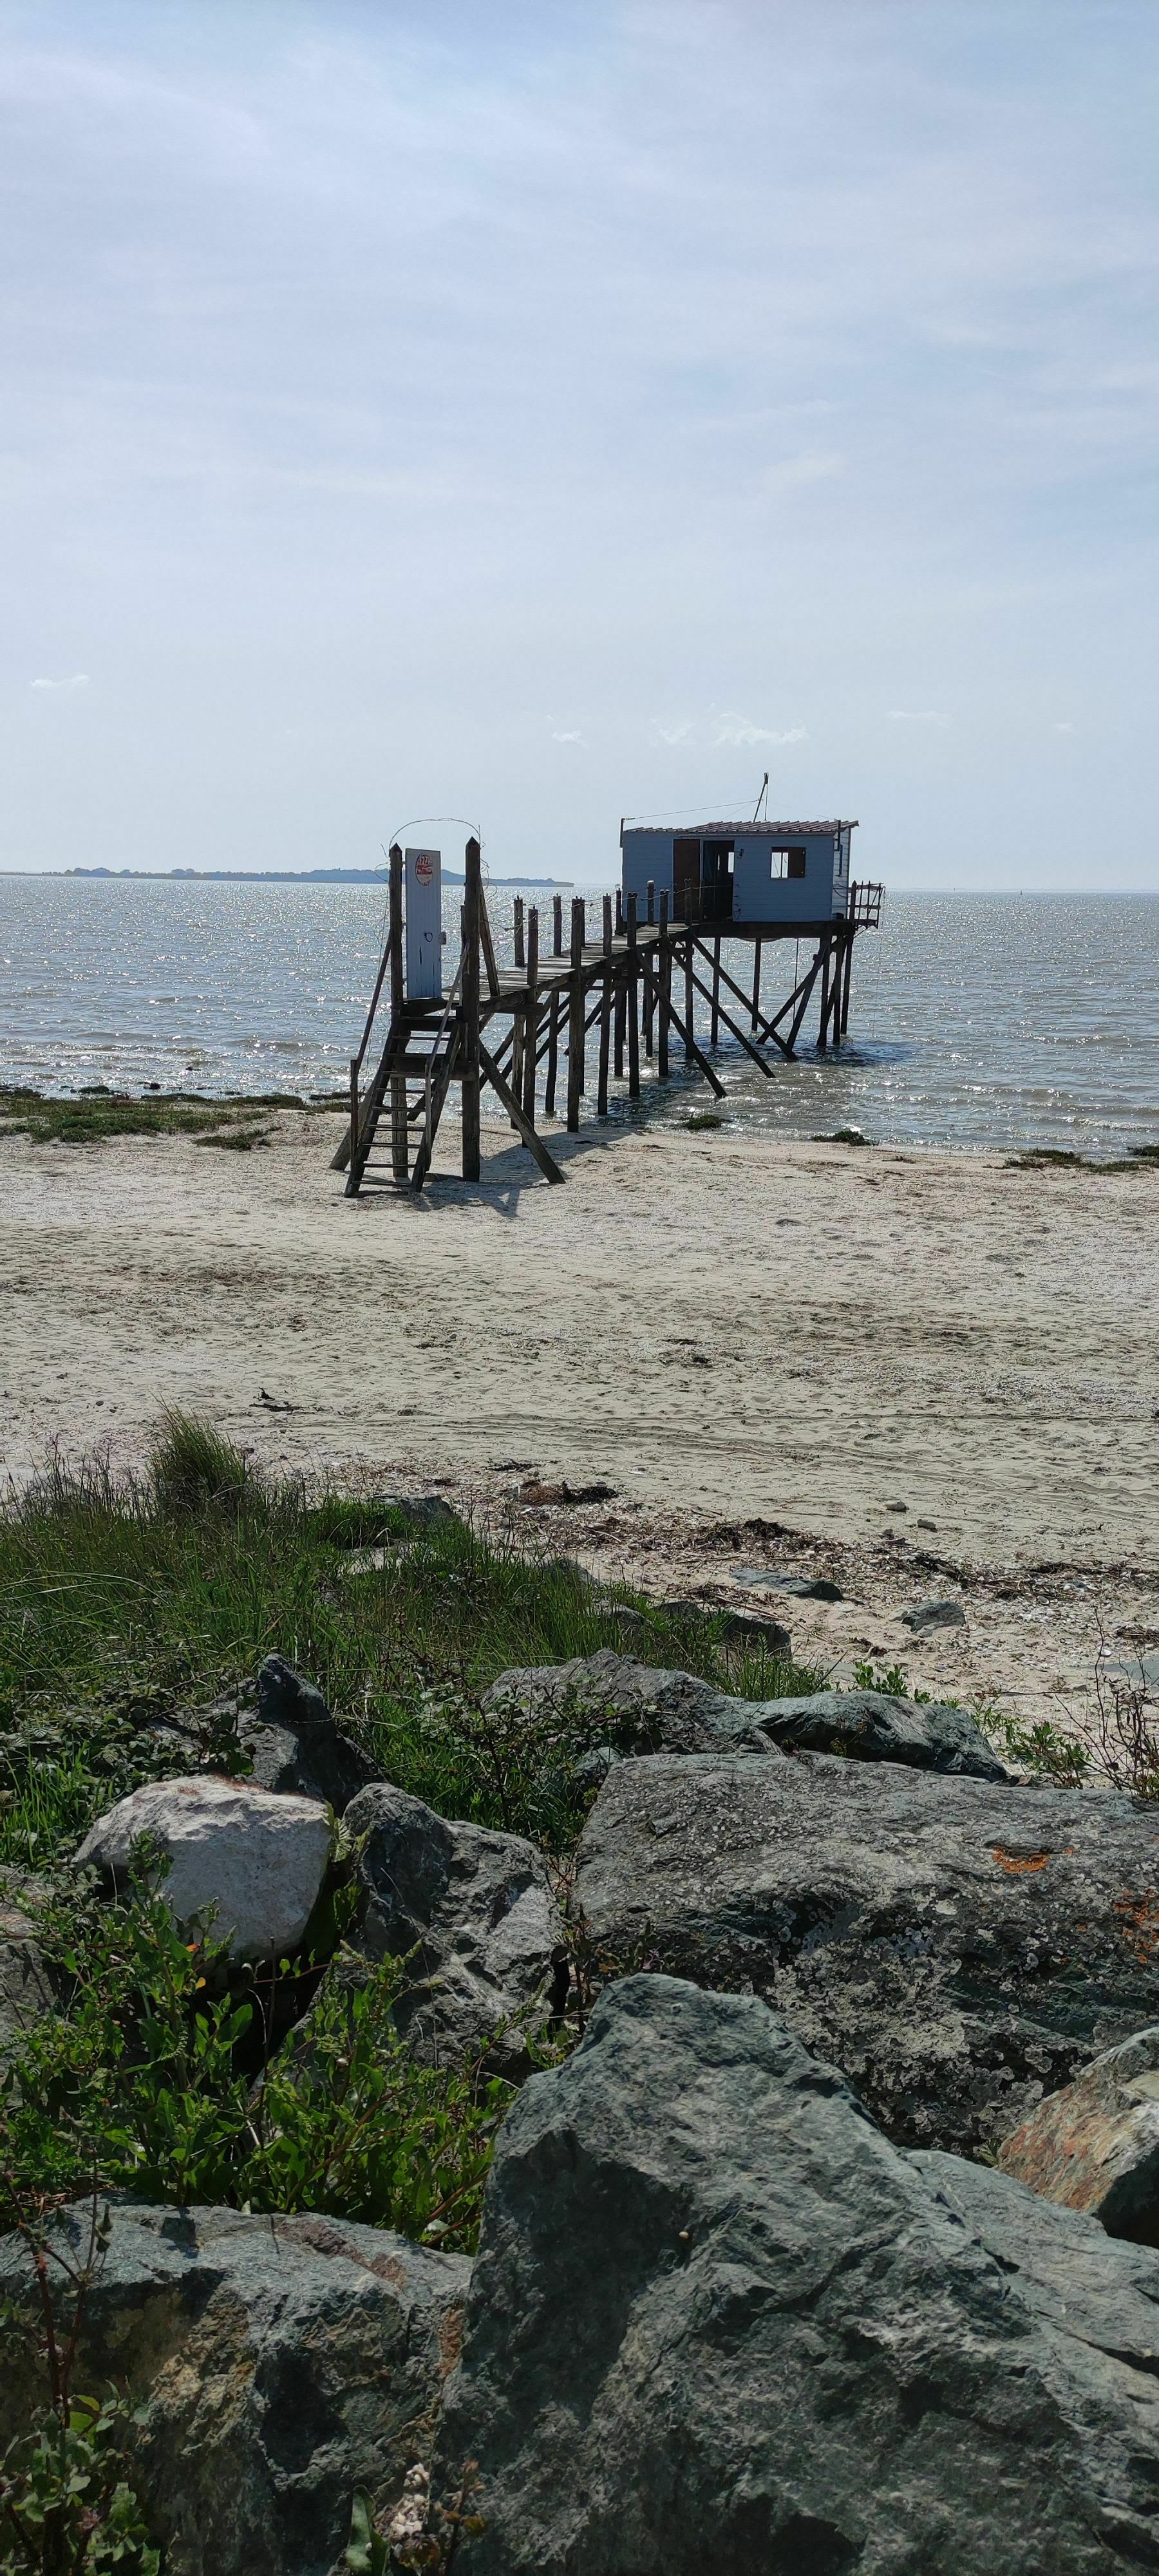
<point x="686" y="879"/>
<point x="716" y="880"/>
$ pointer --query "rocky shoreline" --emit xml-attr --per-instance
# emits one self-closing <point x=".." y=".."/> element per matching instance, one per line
<point x="762" y="2282"/>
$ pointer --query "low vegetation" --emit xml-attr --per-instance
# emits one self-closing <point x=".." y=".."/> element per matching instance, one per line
<point x="123" y="1600"/>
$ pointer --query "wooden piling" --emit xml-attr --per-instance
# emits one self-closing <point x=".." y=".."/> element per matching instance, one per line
<point x="553" y="1010"/>
<point x="469" y="1074"/>
<point x="605" y="1012"/>
<point x="531" y="1031"/>
<point x="665" y="966"/>
<point x="575" y="1031"/>
<point x="557" y="925"/>
<point x="758" y="945"/>
<point x="688" y="1046"/>
<point x="715" y="1037"/>
<point x="823" y="1021"/>
<point x="517" y="909"/>
<point x="399" y="1157"/>
<point x="848" y="977"/>
<point x="633" y="998"/>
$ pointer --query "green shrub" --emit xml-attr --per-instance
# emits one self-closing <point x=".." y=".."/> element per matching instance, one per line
<point x="159" y="2079"/>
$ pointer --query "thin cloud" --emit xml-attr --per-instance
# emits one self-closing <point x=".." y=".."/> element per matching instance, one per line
<point x="79" y="680"/>
<point x="1064" y="728"/>
<point x="917" y="715"/>
<point x="671" y="734"/>
<point x="570" y="737"/>
<point x="741" y="734"/>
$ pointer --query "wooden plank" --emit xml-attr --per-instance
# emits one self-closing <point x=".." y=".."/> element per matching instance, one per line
<point x="665" y="969"/>
<point x="715" y="1037"/>
<point x="507" y="1100"/>
<point x="469" y="1054"/>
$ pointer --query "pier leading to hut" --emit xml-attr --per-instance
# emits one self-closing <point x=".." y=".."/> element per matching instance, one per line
<point x="631" y="990"/>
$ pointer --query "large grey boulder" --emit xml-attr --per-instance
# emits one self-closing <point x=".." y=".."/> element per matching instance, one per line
<point x="278" y="2363"/>
<point x="641" y="1709"/>
<point x="636" y="1706"/>
<point x="717" y="2323"/>
<point x="958" y="1946"/>
<point x="873" y="1726"/>
<point x="474" y="1914"/>
<point x="294" y="1744"/>
<point x="1064" y="2264"/>
<point x="1095" y="2145"/>
<point x="244" y="1862"/>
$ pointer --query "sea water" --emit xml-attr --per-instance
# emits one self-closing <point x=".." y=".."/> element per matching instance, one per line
<point x="977" y="1021"/>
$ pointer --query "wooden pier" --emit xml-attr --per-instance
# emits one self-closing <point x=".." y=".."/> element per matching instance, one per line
<point x="633" y="991"/>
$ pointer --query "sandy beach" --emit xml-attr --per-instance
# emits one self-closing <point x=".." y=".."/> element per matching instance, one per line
<point x="727" y="1332"/>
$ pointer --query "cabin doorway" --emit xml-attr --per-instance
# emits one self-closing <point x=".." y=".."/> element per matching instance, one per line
<point x="716" y="880"/>
<point x="685" y="879"/>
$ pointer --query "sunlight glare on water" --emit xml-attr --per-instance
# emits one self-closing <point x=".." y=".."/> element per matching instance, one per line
<point x="977" y="1021"/>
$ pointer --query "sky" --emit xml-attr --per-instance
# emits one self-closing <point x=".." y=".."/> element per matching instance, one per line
<point x="541" y="413"/>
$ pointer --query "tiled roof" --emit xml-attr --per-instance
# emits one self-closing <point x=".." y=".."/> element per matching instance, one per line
<point x="761" y="831"/>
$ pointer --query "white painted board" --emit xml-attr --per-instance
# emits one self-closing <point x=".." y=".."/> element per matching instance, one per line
<point x="424" y="925"/>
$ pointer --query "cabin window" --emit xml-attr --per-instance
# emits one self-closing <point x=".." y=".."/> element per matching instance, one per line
<point x="787" y="863"/>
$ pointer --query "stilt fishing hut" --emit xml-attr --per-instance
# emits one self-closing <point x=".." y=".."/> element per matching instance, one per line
<point x="634" y="987"/>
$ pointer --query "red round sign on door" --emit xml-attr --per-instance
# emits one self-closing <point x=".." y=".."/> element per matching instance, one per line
<point x="425" y="866"/>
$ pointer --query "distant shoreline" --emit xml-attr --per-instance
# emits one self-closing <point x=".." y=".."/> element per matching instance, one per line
<point x="276" y="876"/>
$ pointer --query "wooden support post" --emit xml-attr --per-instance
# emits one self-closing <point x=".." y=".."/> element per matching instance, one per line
<point x="353" y="1112"/>
<point x="557" y="925"/>
<point x="400" y="1160"/>
<point x="805" y="989"/>
<point x="705" y="991"/>
<point x="517" y="1025"/>
<point x="619" y="912"/>
<point x="646" y="1012"/>
<point x="651" y="899"/>
<point x="850" y="935"/>
<point x="621" y="1019"/>
<point x="575" y="1024"/>
<point x="758" y="945"/>
<point x="552" y="1051"/>
<point x="633" y="1004"/>
<point x="487" y="944"/>
<point x="684" y="1030"/>
<point x="665" y="962"/>
<point x="715" y="1037"/>
<point x="823" y="1019"/>
<point x="517" y="908"/>
<point x="469" y="1052"/>
<point x="507" y="1100"/>
<point x="688" y="1046"/>
<point x="605" y="1012"/>
<point x="531" y="1031"/>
